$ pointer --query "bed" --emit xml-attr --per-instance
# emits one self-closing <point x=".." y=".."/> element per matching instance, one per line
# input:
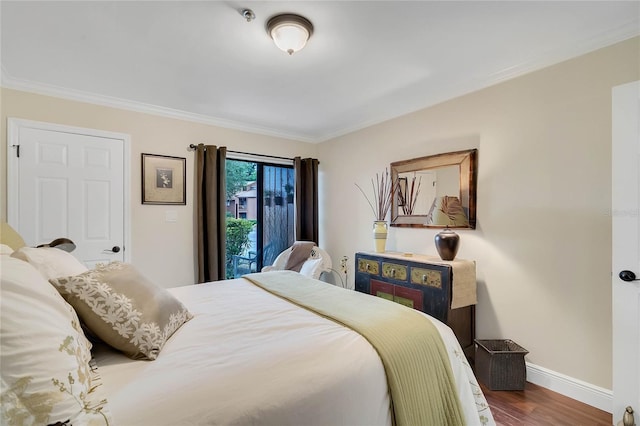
<point x="243" y="355"/>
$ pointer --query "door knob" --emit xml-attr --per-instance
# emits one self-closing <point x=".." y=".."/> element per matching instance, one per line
<point x="627" y="276"/>
<point x="116" y="249"/>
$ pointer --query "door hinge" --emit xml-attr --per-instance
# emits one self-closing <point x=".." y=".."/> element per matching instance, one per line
<point x="17" y="147"/>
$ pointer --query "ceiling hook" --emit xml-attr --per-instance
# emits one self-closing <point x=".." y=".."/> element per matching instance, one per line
<point x="248" y="14"/>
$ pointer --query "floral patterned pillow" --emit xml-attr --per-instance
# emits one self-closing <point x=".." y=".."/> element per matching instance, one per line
<point x="124" y="309"/>
<point x="45" y="357"/>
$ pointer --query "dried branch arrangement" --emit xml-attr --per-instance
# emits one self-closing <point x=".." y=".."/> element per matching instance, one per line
<point x="407" y="198"/>
<point x="384" y="189"/>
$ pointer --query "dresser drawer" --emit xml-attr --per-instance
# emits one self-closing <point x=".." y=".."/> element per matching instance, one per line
<point x="428" y="277"/>
<point x="394" y="271"/>
<point x="369" y="266"/>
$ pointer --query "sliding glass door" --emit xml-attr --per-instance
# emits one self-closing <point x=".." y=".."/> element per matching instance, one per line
<point x="260" y="214"/>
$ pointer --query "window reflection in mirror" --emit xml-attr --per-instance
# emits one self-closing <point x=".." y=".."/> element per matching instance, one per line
<point x="423" y="179"/>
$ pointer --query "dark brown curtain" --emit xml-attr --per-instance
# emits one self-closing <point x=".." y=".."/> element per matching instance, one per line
<point x="306" y="172"/>
<point x="210" y="212"/>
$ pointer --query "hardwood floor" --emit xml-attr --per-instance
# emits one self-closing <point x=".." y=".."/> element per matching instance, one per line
<point x="538" y="406"/>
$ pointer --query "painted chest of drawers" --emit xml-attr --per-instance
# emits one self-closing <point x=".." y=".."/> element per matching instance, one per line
<point x="424" y="283"/>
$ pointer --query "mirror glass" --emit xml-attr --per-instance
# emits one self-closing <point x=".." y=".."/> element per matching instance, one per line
<point x="422" y="181"/>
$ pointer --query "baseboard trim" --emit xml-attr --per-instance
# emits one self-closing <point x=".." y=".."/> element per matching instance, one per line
<point x="573" y="388"/>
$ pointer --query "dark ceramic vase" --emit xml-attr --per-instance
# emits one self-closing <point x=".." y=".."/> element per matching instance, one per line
<point x="447" y="243"/>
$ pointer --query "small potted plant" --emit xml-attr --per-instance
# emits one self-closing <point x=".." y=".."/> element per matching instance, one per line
<point x="289" y="190"/>
<point x="278" y="198"/>
<point x="268" y="197"/>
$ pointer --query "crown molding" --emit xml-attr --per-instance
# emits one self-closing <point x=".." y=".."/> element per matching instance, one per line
<point x="624" y="32"/>
<point x="10" y="82"/>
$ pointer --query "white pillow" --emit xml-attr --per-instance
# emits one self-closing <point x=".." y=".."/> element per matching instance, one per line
<point x="45" y="375"/>
<point x="50" y="261"/>
<point x="308" y="266"/>
<point x="5" y="249"/>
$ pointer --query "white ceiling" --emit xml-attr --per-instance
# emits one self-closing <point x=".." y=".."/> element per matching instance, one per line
<point x="367" y="61"/>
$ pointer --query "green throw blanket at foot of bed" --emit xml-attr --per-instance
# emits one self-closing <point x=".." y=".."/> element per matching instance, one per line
<point x="419" y="376"/>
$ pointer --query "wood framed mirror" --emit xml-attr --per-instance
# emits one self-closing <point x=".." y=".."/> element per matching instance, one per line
<point x="421" y="181"/>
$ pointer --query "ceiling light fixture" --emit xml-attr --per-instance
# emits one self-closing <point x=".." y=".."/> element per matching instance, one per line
<point x="289" y="32"/>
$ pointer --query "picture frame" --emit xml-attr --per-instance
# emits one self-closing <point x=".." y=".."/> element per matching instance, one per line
<point x="164" y="179"/>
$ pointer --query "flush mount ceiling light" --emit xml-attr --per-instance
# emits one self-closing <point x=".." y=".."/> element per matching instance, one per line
<point x="289" y="32"/>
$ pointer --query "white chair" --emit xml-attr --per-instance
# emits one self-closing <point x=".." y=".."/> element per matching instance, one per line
<point x="318" y="262"/>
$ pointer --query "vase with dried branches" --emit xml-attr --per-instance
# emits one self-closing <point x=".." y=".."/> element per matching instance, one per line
<point x="384" y="189"/>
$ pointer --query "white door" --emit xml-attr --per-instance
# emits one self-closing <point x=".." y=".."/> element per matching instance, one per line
<point x="626" y="248"/>
<point x="69" y="182"/>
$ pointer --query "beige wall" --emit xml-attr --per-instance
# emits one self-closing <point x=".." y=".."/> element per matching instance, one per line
<point x="543" y="241"/>
<point x="163" y="251"/>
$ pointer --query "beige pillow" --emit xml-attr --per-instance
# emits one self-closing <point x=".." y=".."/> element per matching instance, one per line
<point x="46" y="375"/>
<point x="50" y="261"/>
<point x="124" y="309"/>
<point x="10" y="236"/>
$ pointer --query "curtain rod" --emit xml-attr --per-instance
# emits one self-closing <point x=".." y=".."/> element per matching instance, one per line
<point x="193" y="146"/>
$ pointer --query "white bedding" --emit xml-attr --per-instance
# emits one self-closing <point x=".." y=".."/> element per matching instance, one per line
<point x="249" y="357"/>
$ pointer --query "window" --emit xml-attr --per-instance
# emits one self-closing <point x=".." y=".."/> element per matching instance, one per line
<point x="260" y="214"/>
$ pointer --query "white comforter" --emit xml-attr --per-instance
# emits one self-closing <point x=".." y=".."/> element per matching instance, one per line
<point x="248" y="357"/>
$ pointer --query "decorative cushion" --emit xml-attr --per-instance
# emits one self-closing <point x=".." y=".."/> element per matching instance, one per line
<point x="10" y="236"/>
<point x="124" y="309"/>
<point x="51" y="262"/>
<point x="46" y="377"/>
<point x="300" y="251"/>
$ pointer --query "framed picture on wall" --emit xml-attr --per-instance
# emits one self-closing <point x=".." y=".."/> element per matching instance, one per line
<point x="163" y="179"/>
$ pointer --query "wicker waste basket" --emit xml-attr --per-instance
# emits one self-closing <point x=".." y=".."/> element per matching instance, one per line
<point x="500" y="364"/>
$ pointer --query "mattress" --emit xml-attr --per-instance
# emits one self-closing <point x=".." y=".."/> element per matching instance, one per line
<point x="250" y="357"/>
